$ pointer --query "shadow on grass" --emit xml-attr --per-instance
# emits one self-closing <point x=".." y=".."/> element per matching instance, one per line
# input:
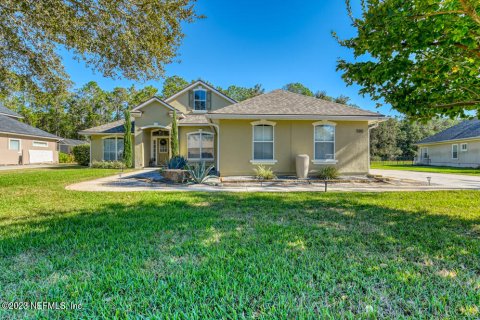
<point x="214" y="255"/>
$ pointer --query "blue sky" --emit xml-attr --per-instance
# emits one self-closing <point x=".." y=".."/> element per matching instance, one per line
<point x="267" y="42"/>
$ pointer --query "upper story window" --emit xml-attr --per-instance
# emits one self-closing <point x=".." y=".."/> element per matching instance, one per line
<point x="200" y="100"/>
<point x="324" y="142"/>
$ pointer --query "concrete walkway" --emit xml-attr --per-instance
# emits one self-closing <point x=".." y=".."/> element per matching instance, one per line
<point x="142" y="181"/>
<point x="438" y="180"/>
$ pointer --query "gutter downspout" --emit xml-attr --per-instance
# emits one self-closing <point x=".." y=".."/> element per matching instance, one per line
<point x="217" y="129"/>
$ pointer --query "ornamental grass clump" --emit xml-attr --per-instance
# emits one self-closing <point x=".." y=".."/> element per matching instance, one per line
<point x="262" y="172"/>
<point x="328" y="173"/>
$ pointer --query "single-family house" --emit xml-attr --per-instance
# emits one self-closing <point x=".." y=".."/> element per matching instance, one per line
<point x="457" y="146"/>
<point x="21" y="143"/>
<point x="270" y="129"/>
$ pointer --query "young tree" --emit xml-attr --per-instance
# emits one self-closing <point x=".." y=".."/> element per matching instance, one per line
<point x="422" y="57"/>
<point x="127" y="141"/>
<point x="123" y="38"/>
<point x="174" y="135"/>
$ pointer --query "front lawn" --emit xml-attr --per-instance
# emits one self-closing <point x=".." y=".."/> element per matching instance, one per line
<point x="409" y="167"/>
<point x="219" y="255"/>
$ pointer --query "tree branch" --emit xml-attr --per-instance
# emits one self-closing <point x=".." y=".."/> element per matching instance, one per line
<point x="458" y="104"/>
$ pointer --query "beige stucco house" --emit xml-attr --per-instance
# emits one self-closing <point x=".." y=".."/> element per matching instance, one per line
<point x="24" y="144"/>
<point x="457" y="146"/>
<point x="270" y="129"/>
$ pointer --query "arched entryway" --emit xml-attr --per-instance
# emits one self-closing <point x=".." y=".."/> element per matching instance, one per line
<point x="160" y="143"/>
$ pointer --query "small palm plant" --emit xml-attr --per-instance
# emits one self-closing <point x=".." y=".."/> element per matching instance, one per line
<point x="199" y="173"/>
<point x="264" y="173"/>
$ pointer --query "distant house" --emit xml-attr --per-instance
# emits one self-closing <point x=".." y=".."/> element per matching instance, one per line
<point x="24" y="144"/>
<point x="66" y="145"/>
<point x="458" y="146"/>
<point x="270" y="129"/>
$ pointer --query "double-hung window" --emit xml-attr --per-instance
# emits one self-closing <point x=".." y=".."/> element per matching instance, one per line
<point x="200" y="146"/>
<point x="263" y="142"/>
<point x="113" y="149"/>
<point x="454" y="151"/>
<point x="324" y="142"/>
<point x="464" y="147"/>
<point x="200" y="100"/>
<point x="424" y="153"/>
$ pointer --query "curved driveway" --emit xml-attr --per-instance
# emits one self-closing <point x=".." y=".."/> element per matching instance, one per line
<point x="440" y="180"/>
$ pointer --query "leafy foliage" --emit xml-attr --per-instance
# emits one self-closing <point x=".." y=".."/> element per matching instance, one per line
<point x="422" y="57"/>
<point x="109" y="165"/>
<point x="266" y="173"/>
<point x="81" y="153"/>
<point x="328" y="173"/>
<point x="172" y="85"/>
<point x="299" y="88"/>
<point x="177" y="162"/>
<point x="199" y="172"/>
<point x="123" y="38"/>
<point x="127" y="140"/>
<point x="174" y="135"/>
<point x="397" y="137"/>
<point x="243" y="93"/>
<point x="65" y="158"/>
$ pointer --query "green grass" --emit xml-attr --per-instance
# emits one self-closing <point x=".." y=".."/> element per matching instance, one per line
<point x="214" y="255"/>
<point x="393" y="165"/>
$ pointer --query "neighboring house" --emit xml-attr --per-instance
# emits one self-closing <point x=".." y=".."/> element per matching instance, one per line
<point x="24" y="144"/>
<point x="457" y="146"/>
<point x="270" y="129"/>
<point x="66" y="145"/>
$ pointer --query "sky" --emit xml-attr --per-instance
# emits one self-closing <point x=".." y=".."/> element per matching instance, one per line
<point x="269" y="42"/>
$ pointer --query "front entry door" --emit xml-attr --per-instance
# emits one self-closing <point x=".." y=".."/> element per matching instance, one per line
<point x="163" y="145"/>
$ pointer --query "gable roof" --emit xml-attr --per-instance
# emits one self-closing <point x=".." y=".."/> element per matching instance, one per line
<point x="283" y="103"/>
<point x="190" y="119"/>
<point x="464" y="130"/>
<point x="143" y="104"/>
<point x="9" y="125"/>
<point x="202" y="83"/>
<point x="7" y="112"/>
<point x="115" y="127"/>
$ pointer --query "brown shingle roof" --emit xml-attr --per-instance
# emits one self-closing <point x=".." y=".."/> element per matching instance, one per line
<point x="281" y="102"/>
<point x="194" y="119"/>
<point x="111" y="127"/>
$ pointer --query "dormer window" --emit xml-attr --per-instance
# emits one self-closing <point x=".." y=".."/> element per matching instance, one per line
<point x="200" y="100"/>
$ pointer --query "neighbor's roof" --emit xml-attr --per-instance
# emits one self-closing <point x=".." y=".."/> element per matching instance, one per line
<point x="285" y="103"/>
<point x="194" y="119"/>
<point x="464" y="130"/>
<point x="108" y="128"/>
<point x="72" y="142"/>
<point x="9" y="125"/>
<point x="8" y="112"/>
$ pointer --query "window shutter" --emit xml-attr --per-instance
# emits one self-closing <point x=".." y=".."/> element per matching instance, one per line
<point x="209" y="100"/>
<point x="190" y="99"/>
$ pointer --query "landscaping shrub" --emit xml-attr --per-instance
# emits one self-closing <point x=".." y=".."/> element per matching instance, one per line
<point x="265" y="173"/>
<point x="199" y="172"/>
<point x="177" y="162"/>
<point x="65" y="158"/>
<point x="81" y="154"/>
<point x="108" y="165"/>
<point x="328" y="173"/>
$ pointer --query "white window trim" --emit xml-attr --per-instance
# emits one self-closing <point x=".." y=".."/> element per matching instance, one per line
<point x="452" y="151"/>
<point x="194" y="100"/>
<point x="202" y="133"/>
<point x="19" y="144"/>
<point x="263" y="161"/>
<point x="466" y="147"/>
<point x="325" y="161"/>
<point x="116" y="147"/>
<point x="44" y="144"/>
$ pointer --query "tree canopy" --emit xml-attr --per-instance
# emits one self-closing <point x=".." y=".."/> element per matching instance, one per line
<point x="122" y="38"/>
<point x="420" y="56"/>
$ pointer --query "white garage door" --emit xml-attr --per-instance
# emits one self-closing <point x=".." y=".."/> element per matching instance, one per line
<point x="40" y="156"/>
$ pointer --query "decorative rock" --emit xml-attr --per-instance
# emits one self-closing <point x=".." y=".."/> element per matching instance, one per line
<point x="175" y="175"/>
